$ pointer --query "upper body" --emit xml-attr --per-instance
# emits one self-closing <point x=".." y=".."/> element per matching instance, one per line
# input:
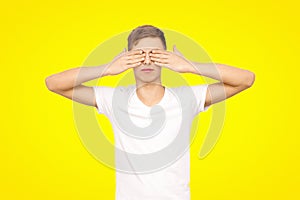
<point x="152" y="153"/>
<point x="146" y="56"/>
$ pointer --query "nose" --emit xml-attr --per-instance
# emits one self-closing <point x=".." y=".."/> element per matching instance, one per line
<point x="147" y="60"/>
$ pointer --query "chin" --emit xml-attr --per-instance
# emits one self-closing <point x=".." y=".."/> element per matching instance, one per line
<point x="148" y="80"/>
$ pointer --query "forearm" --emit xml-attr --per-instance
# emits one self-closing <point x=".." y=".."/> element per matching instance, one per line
<point x="226" y="74"/>
<point x="73" y="77"/>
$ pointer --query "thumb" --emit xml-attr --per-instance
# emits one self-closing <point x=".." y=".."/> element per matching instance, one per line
<point x="176" y="51"/>
<point x="123" y="51"/>
<point x="120" y="54"/>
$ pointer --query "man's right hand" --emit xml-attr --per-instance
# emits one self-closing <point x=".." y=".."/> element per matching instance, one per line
<point x="125" y="60"/>
<point x="69" y="82"/>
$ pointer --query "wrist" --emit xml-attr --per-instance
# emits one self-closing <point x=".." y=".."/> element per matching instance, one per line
<point x="193" y="68"/>
<point x="103" y="70"/>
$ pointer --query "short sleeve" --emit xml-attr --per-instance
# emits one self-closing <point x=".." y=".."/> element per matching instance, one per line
<point x="103" y="96"/>
<point x="200" y="92"/>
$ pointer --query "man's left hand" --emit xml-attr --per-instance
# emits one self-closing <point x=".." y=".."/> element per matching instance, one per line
<point x="172" y="60"/>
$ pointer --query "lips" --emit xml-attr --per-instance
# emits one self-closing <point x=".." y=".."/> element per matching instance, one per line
<point x="147" y="70"/>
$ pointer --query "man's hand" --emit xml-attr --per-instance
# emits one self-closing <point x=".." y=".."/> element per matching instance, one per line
<point x="172" y="60"/>
<point x="125" y="60"/>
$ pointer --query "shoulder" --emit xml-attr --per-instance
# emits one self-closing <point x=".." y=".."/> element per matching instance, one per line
<point x="110" y="92"/>
<point x="185" y="92"/>
<point x="112" y="89"/>
<point x="186" y="89"/>
<point x="191" y="93"/>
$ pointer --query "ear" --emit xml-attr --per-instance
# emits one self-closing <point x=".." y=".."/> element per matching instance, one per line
<point x="176" y="51"/>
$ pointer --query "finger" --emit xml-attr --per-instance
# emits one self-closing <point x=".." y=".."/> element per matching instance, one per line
<point x="120" y="54"/>
<point x="163" y="61"/>
<point x="160" y="51"/>
<point x="131" y="57"/>
<point x="161" y="65"/>
<point x="134" y="52"/>
<point x="158" y="55"/>
<point x="132" y="61"/>
<point x="134" y="65"/>
<point x="176" y="51"/>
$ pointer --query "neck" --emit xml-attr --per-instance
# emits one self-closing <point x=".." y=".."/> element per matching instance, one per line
<point x="149" y="85"/>
<point x="151" y="88"/>
<point x="150" y="93"/>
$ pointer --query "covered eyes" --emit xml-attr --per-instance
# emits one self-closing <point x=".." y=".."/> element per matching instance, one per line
<point x="145" y="51"/>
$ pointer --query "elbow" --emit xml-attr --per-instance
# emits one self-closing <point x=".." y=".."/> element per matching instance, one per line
<point x="249" y="79"/>
<point x="49" y="84"/>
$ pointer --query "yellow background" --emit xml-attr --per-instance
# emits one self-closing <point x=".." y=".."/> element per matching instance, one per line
<point x="257" y="155"/>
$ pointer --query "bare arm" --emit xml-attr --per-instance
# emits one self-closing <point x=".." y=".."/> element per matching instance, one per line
<point x="232" y="80"/>
<point x="69" y="83"/>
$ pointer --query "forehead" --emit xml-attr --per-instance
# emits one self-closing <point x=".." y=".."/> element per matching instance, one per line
<point x="148" y="44"/>
<point x="147" y="48"/>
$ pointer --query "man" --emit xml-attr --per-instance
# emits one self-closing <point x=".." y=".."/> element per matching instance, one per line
<point x="141" y="129"/>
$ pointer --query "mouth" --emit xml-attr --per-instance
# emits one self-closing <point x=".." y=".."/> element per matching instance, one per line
<point x="147" y="70"/>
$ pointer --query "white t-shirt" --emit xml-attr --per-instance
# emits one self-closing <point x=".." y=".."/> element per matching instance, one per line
<point x="151" y="143"/>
